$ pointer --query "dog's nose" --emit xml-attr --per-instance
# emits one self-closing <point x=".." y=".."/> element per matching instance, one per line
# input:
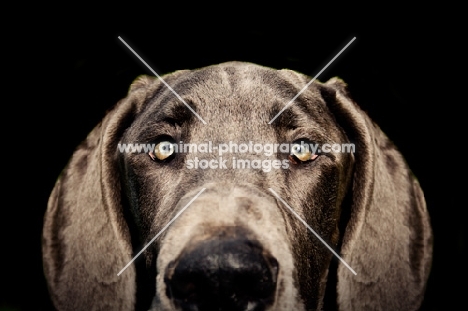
<point x="223" y="274"/>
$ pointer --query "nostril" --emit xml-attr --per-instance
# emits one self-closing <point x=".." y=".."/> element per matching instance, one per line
<point x="223" y="275"/>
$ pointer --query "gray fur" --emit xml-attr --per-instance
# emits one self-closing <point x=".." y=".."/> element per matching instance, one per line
<point x="386" y="237"/>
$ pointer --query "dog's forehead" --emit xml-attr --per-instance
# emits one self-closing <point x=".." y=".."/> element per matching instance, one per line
<point x="243" y="88"/>
<point x="242" y="98"/>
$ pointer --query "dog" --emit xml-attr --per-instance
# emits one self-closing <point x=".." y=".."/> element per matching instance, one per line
<point x="301" y="229"/>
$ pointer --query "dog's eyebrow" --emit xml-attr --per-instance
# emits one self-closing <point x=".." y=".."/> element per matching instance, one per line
<point x="284" y="90"/>
<point x="151" y="130"/>
<point x="163" y="118"/>
<point x="172" y="110"/>
<point x="299" y="115"/>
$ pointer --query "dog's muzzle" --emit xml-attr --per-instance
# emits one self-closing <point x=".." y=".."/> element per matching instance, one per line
<point x="228" y="251"/>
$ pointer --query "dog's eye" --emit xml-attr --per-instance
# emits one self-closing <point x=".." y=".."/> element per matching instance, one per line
<point x="301" y="152"/>
<point x="162" y="151"/>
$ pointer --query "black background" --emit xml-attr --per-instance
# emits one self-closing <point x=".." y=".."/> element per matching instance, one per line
<point x="70" y="67"/>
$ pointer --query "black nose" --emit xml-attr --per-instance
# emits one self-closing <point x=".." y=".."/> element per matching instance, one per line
<point x="223" y="274"/>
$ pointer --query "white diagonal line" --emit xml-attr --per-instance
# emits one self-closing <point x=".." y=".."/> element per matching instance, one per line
<point x="307" y="85"/>
<point x="312" y="230"/>
<point x="160" y="232"/>
<point x="170" y="88"/>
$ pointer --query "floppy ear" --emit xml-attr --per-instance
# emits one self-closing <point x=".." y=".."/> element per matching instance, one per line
<point x="388" y="238"/>
<point x="86" y="241"/>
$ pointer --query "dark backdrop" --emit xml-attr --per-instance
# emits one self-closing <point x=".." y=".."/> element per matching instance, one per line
<point x="70" y="68"/>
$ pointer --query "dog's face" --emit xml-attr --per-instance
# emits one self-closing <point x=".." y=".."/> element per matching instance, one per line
<point x="232" y="229"/>
<point x="236" y="229"/>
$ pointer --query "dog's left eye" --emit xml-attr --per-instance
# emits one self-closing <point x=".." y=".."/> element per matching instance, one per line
<point x="162" y="151"/>
<point x="301" y="151"/>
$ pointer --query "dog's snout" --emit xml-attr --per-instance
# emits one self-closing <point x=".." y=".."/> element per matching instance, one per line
<point x="223" y="274"/>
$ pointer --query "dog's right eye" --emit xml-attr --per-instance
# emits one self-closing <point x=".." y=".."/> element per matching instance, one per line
<point x="163" y="150"/>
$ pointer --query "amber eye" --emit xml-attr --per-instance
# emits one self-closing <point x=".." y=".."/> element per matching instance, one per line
<point x="302" y="151"/>
<point x="162" y="151"/>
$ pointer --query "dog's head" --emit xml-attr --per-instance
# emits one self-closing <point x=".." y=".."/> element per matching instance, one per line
<point x="241" y="204"/>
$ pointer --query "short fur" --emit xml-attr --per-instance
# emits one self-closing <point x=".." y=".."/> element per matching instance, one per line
<point x="107" y="205"/>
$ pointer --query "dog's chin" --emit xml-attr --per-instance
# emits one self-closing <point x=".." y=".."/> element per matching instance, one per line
<point x="214" y="257"/>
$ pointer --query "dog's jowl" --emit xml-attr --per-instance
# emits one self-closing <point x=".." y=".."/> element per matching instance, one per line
<point x="216" y="199"/>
